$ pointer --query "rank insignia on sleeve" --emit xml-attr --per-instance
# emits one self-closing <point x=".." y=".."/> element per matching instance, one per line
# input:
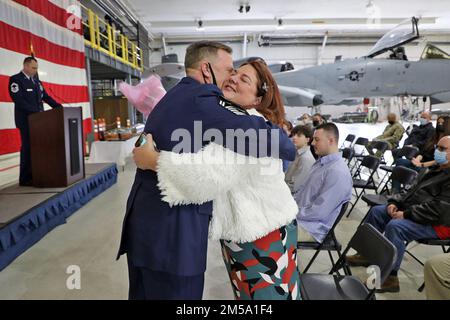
<point x="14" y="87"/>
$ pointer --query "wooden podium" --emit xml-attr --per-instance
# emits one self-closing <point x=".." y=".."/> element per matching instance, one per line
<point x="56" y="139"/>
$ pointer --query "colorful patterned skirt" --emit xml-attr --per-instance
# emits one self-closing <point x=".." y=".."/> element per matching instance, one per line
<point x="265" y="269"/>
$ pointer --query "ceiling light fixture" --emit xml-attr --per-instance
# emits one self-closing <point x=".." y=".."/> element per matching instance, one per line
<point x="280" y="24"/>
<point x="200" y="26"/>
<point x="244" y="6"/>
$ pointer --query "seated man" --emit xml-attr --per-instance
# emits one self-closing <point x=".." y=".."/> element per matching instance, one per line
<point x="327" y="188"/>
<point x="421" y="213"/>
<point x="300" y="168"/>
<point x="392" y="134"/>
<point x="437" y="277"/>
<point x="419" y="135"/>
<point x="318" y="120"/>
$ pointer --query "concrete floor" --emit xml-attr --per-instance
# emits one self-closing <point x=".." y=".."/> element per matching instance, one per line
<point x="90" y="240"/>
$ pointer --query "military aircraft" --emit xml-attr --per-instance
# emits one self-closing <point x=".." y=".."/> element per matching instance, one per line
<point x="349" y="81"/>
<point x="368" y="76"/>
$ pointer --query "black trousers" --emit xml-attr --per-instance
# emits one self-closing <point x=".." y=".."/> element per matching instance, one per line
<point x="146" y="284"/>
<point x="25" y="155"/>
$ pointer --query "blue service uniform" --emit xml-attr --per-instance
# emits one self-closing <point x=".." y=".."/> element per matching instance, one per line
<point x="167" y="246"/>
<point x="28" y="95"/>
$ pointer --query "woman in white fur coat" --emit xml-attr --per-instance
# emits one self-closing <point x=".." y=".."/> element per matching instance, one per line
<point x="253" y="210"/>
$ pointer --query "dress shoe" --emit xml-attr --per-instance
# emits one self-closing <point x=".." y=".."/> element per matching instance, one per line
<point x="390" y="285"/>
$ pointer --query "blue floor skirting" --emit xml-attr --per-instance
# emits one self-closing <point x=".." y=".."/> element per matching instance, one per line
<point x="18" y="236"/>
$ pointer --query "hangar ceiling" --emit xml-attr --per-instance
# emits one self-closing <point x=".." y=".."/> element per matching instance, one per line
<point x="178" y="18"/>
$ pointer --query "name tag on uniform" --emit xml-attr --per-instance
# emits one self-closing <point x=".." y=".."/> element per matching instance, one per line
<point x="29" y="89"/>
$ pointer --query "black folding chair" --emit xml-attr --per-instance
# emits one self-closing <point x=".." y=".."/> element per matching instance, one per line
<point x="359" y="149"/>
<point x="430" y="242"/>
<point x="408" y="152"/>
<point x="347" y="154"/>
<point x="329" y="243"/>
<point x="371" y="163"/>
<point x="362" y="144"/>
<point x="403" y="176"/>
<point x="373" y="246"/>
<point x="348" y="141"/>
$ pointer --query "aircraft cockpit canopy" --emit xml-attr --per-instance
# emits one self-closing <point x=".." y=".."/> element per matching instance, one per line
<point x="433" y="52"/>
<point x="403" y="33"/>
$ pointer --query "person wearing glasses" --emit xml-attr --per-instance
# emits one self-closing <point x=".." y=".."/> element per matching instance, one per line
<point x="421" y="213"/>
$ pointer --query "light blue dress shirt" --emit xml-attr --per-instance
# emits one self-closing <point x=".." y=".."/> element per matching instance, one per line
<point x="320" y="198"/>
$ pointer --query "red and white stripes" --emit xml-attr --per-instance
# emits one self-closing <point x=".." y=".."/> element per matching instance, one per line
<point x="54" y="31"/>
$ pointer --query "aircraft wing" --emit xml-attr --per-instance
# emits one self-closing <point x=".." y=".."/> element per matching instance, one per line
<point x="300" y="97"/>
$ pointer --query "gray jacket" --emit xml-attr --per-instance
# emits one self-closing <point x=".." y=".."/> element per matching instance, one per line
<point x="299" y="169"/>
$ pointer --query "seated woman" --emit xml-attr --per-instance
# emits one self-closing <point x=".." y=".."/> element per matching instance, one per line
<point x="253" y="210"/>
<point x="426" y="158"/>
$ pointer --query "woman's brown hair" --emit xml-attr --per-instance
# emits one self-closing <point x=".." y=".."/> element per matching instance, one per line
<point x="431" y="144"/>
<point x="271" y="106"/>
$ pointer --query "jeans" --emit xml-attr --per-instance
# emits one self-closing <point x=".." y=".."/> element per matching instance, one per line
<point x="398" y="231"/>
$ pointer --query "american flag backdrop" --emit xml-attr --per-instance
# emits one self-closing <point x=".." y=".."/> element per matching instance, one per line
<point x="51" y="30"/>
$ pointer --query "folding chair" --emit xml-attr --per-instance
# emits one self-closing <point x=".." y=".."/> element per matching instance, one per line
<point x="347" y="154"/>
<point x="329" y="243"/>
<point x="348" y="141"/>
<point x="408" y="152"/>
<point x="371" y="163"/>
<point x="359" y="149"/>
<point x="404" y="177"/>
<point x="430" y="242"/>
<point x="371" y="244"/>
<point x="362" y="144"/>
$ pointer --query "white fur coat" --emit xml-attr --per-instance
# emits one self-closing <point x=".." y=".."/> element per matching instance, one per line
<point x="250" y="196"/>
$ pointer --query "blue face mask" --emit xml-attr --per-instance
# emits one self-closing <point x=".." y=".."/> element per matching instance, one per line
<point x="440" y="157"/>
<point x="423" y="121"/>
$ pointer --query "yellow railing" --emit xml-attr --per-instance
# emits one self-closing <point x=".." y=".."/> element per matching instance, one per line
<point x="101" y="36"/>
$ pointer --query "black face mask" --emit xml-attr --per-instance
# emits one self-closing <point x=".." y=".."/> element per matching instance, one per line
<point x="440" y="128"/>
<point x="315" y="123"/>
<point x="212" y="74"/>
<point x="391" y="122"/>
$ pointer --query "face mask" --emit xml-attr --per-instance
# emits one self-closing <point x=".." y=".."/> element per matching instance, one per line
<point x="440" y="157"/>
<point x="440" y="128"/>
<point x="315" y="123"/>
<point x="212" y="74"/>
<point x="423" y="121"/>
<point x="391" y="122"/>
